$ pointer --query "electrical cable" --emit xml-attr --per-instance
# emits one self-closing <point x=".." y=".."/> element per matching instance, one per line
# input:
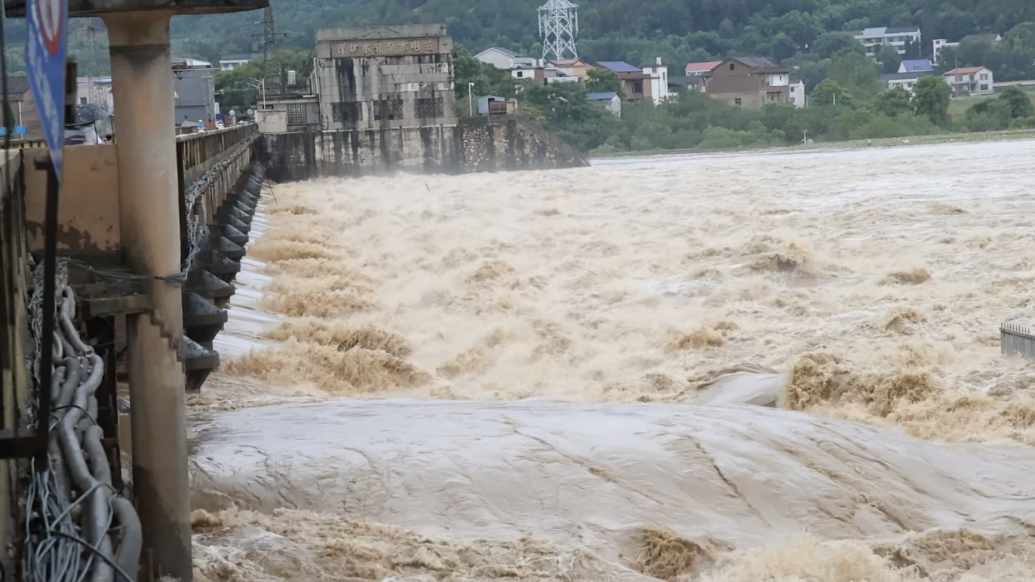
<point x="77" y="527"/>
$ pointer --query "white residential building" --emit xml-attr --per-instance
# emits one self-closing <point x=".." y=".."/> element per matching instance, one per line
<point x="231" y="62"/>
<point x="610" y="101"/>
<point x="873" y="39"/>
<point x="970" y="81"/>
<point x="502" y="58"/>
<point x="797" y="93"/>
<point x="658" y="81"/>
<point x="904" y="80"/>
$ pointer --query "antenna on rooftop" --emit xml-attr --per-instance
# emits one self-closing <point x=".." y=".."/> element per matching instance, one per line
<point x="558" y="27"/>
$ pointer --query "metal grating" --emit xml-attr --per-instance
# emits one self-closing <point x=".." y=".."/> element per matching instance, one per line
<point x="429" y="107"/>
<point x="350" y="112"/>
<point x="297" y="113"/>
<point x="1016" y="338"/>
<point x="388" y="109"/>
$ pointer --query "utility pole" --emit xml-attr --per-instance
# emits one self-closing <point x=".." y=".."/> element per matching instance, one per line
<point x="470" y="98"/>
<point x="269" y="36"/>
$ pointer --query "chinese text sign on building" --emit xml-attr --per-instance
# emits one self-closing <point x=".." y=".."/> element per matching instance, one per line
<point x="396" y="47"/>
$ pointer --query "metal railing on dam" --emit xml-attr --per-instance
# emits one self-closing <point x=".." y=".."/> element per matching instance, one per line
<point x="219" y="177"/>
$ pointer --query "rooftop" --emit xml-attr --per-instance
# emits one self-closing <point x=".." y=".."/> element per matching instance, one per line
<point x="620" y="67"/>
<point x="885" y="30"/>
<point x="567" y="62"/>
<point x="703" y="67"/>
<point x="918" y="65"/>
<point x="762" y="63"/>
<point x="901" y="76"/>
<point x="963" y="71"/>
<point x="982" y="38"/>
<point x="601" y="96"/>
<point x="238" y="57"/>
<point x="399" y="31"/>
<point x="17" y="86"/>
<point x="503" y="51"/>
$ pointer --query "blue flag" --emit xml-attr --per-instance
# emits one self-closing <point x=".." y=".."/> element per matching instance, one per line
<point x="45" y="64"/>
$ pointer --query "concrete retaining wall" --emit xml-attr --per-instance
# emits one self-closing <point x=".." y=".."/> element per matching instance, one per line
<point x="477" y="145"/>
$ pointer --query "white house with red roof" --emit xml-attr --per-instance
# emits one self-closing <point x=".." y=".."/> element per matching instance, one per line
<point x="970" y="81"/>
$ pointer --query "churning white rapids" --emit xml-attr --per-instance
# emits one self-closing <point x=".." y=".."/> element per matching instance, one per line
<point x="725" y="368"/>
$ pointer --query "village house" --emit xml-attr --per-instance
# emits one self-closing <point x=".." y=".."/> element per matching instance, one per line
<point x="749" y="82"/>
<point x="873" y="39"/>
<point x="658" y="79"/>
<point x="573" y="68"/>
<point x="231" y="62"/>
<point x="609" y="100"/>
<point x="796" y="93"/>
<point x="904" y="80"/>
<point x="967" y="81"/>
<point x="695" y="72"/>
<point x="502" y="58"/>
<point x="917" y="66"/>
<point x="635" y="84"/>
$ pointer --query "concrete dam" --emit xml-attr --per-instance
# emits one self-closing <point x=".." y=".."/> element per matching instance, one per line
<point x="381" y="100"/>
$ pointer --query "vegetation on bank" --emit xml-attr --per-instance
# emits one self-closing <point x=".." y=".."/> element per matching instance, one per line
<point x="850" y="103"/>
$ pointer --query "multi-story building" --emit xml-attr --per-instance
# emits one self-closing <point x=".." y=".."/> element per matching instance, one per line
<point x="749" y="82"/>
<point x="638" y="83"/>
<point x="899" y="38"/>
<point x="384" y="78"/>
<point x="658" y="79"/>
<point x="970" y="81"/>
<point x="797" y="94"/>
<point x="231" y="62"/>
<point x="194" y="86"/>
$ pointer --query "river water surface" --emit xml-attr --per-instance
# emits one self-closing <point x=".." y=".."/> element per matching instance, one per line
<point x="738" y="367"/>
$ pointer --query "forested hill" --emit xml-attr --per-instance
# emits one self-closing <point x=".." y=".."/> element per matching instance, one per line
<point x="637" y="31"/>
<point x="633" y="30"/>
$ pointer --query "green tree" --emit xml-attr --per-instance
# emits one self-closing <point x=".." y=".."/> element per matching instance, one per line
<point x="830" y="43"/>
<point x="893" y="102"/>
<point x="486" y="79"/>
<point x="603" y="80"/>
<point x="989" y="115"/>
<point x="240" y="88"/>
<point x="857" y="73"/>
<point x="831" y="93"/>
<point x="782" y="47"/>
<point x="567" y="113"/>
<point x="1019" y="102"/>
<point x="889" y="59"/>
<point x="931" y="99"/>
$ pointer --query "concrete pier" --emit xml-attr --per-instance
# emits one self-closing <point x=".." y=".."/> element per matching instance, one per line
<point x="141" y="70"/>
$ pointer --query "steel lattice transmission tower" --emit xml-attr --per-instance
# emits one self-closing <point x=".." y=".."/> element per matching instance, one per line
<point x="558" y="26"/>
<point x="269" y="39"/>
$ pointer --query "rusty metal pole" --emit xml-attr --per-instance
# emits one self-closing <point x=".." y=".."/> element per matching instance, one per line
<point x="141" y="69"/>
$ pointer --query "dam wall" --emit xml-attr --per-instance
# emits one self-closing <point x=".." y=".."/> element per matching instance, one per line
<point x="472" y="145"/>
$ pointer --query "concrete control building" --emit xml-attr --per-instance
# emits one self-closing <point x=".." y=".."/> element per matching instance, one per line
<point x="385" y="78"/>
<point x="382" y="99"/>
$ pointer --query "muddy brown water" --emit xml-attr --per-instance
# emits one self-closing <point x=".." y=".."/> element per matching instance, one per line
<point x="584" y="374"/>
